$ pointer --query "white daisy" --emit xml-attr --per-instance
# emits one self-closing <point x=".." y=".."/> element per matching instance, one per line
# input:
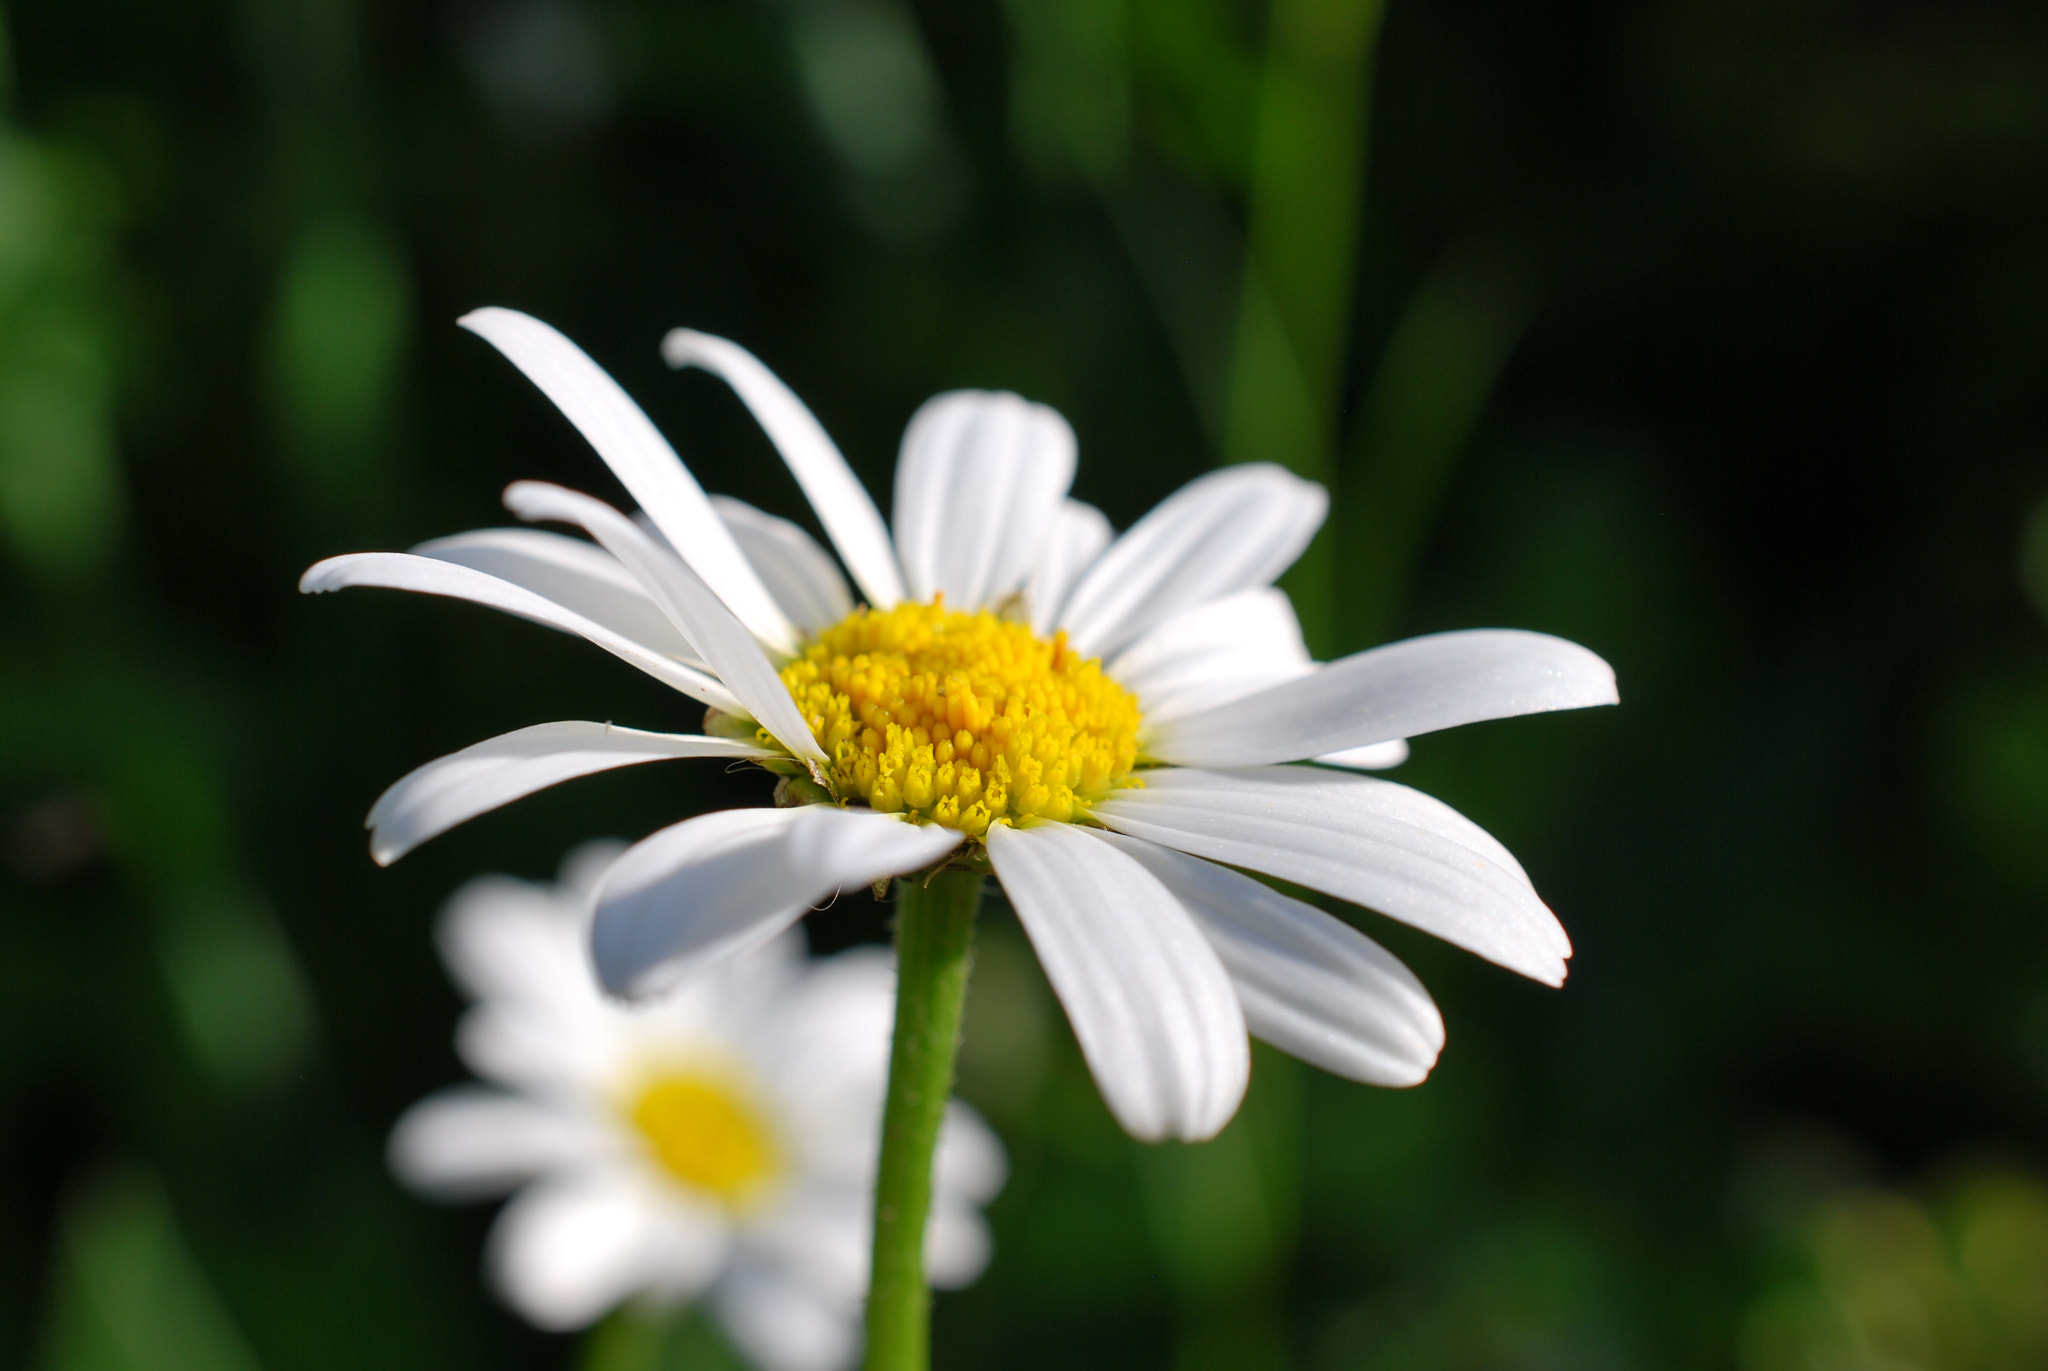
<point x="1109" y="724"/>
<point x="720" y="1143"/>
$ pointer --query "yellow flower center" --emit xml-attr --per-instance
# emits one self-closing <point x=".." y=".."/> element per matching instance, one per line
<point x="964" y="720"/>
<point x="706" y="1134"/>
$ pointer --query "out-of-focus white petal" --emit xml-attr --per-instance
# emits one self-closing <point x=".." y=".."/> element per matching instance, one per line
<point x="801" y="576"/>
<point x="970" y="1164"/>
<point x="704" y="619"/>
<point x="1150" y="1003"/>
<point x="641" y="458"/>
<point x="782" y="1326"/>
<point x="1371" y="757"/>
<point x="520" y="950"/>
<point x="956" y="1244"/>
<point x="831" y="1041"/>
<point x="1359" y="838"/>
<point x="570" y="1247"/>
<point x="1079" y="533"/>
<point x="427" y="576"/>
<point x="450" y="790"/>
<point x="820" y="1234"/>
<point x="844" y="507"/>
<point x="720" y="883"/>
<point x="507" y="939"/>
<point x="1213" y="653"/>
<point x="575" y="575"/>
<point x="1396" y="691"/>
<point x="469" y="1143"/>
<point x="1231" y="530"/>
<point x="980" y="477"/>
<point x="1312" y="986"/>
<point x="540" y="1051"/>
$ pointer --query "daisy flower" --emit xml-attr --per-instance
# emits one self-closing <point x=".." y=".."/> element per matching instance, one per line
<point x="1117" y="727"/>
<point x="718" y="1144"/>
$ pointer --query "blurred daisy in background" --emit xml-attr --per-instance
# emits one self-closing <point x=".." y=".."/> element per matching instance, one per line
<point x="1108" y="724"/>
<point x="719" y="1144"/>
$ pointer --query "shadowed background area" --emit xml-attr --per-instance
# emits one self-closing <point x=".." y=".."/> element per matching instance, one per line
<point x="1707" y="334"/>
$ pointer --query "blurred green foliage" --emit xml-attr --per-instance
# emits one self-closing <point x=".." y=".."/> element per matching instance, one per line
<point x="1880" y="1278"/>
<point x="1709" y="335"/>
<point x="127" y="1293"/>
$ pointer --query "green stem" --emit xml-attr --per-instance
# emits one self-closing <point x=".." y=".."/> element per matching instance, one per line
<point x="934" y="940"/>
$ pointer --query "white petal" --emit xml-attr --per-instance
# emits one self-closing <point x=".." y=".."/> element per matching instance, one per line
<point x="521" y="952"/>
<point x="454" y="789"/>
<point x="640" y="457"/>
<point x="819" y="1232"/>
<point x="1371" y="757"/>
<point x="1311" y="985"/>
<point x="980" y="477"/>
<point x="704" y="619"/>
<point x="1078" y="535"/>
<point x="1219" y="651"/>
<point x="781" y="1326"/>
<point x="1361" y="839"/>
<point x="425" y="575"/>
<point x="567" y="1249"/>
<point x="1149" y="1001"/>
<point x="956" y="1245"/>
<point x="550" y="1051"/>
<point x="850" y="518"/>
<point x="801" y="576"/>
<point x="468" y="1143"/>
<point x="720" y="883"/>
<point x="574" y="574"/>
<point x="970" y="1165"/>
<point x="1231" y="530"/>
<point x="507" y="939"/>
<point x="1396" y="691"/>
<point x="831" y="1043"/>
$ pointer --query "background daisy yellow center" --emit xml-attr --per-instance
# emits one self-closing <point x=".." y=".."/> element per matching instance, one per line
<point x="706" y="1134"/>
<point x="964" y="720"/>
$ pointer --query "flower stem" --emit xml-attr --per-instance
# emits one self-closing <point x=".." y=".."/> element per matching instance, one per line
<point x="934" y="940"/>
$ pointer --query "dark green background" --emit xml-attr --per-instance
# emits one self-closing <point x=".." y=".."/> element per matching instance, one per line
<point x="1708" y="333"/>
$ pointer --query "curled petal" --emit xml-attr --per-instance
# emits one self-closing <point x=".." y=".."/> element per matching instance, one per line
<point x="641" y="458"/>
<point x="702" y="617"/>
<point x="429" y="576"/>
<point x="576" y="575"/>
<point x="801" y="576"/>
<point x="843" y="505"/>
<point x="718" y="884"/>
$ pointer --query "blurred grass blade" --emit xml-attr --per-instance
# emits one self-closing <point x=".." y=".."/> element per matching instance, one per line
<point x="1307" y="182"/>
<point x="242" y="1003"/>
<point x="343" y="315"/>
<point x="63" y="500"/>
<point x="1433" y="382"/>
<point x="128" y="1294"/>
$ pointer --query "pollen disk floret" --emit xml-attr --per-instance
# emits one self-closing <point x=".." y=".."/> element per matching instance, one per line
<point x="963" y="719"/>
